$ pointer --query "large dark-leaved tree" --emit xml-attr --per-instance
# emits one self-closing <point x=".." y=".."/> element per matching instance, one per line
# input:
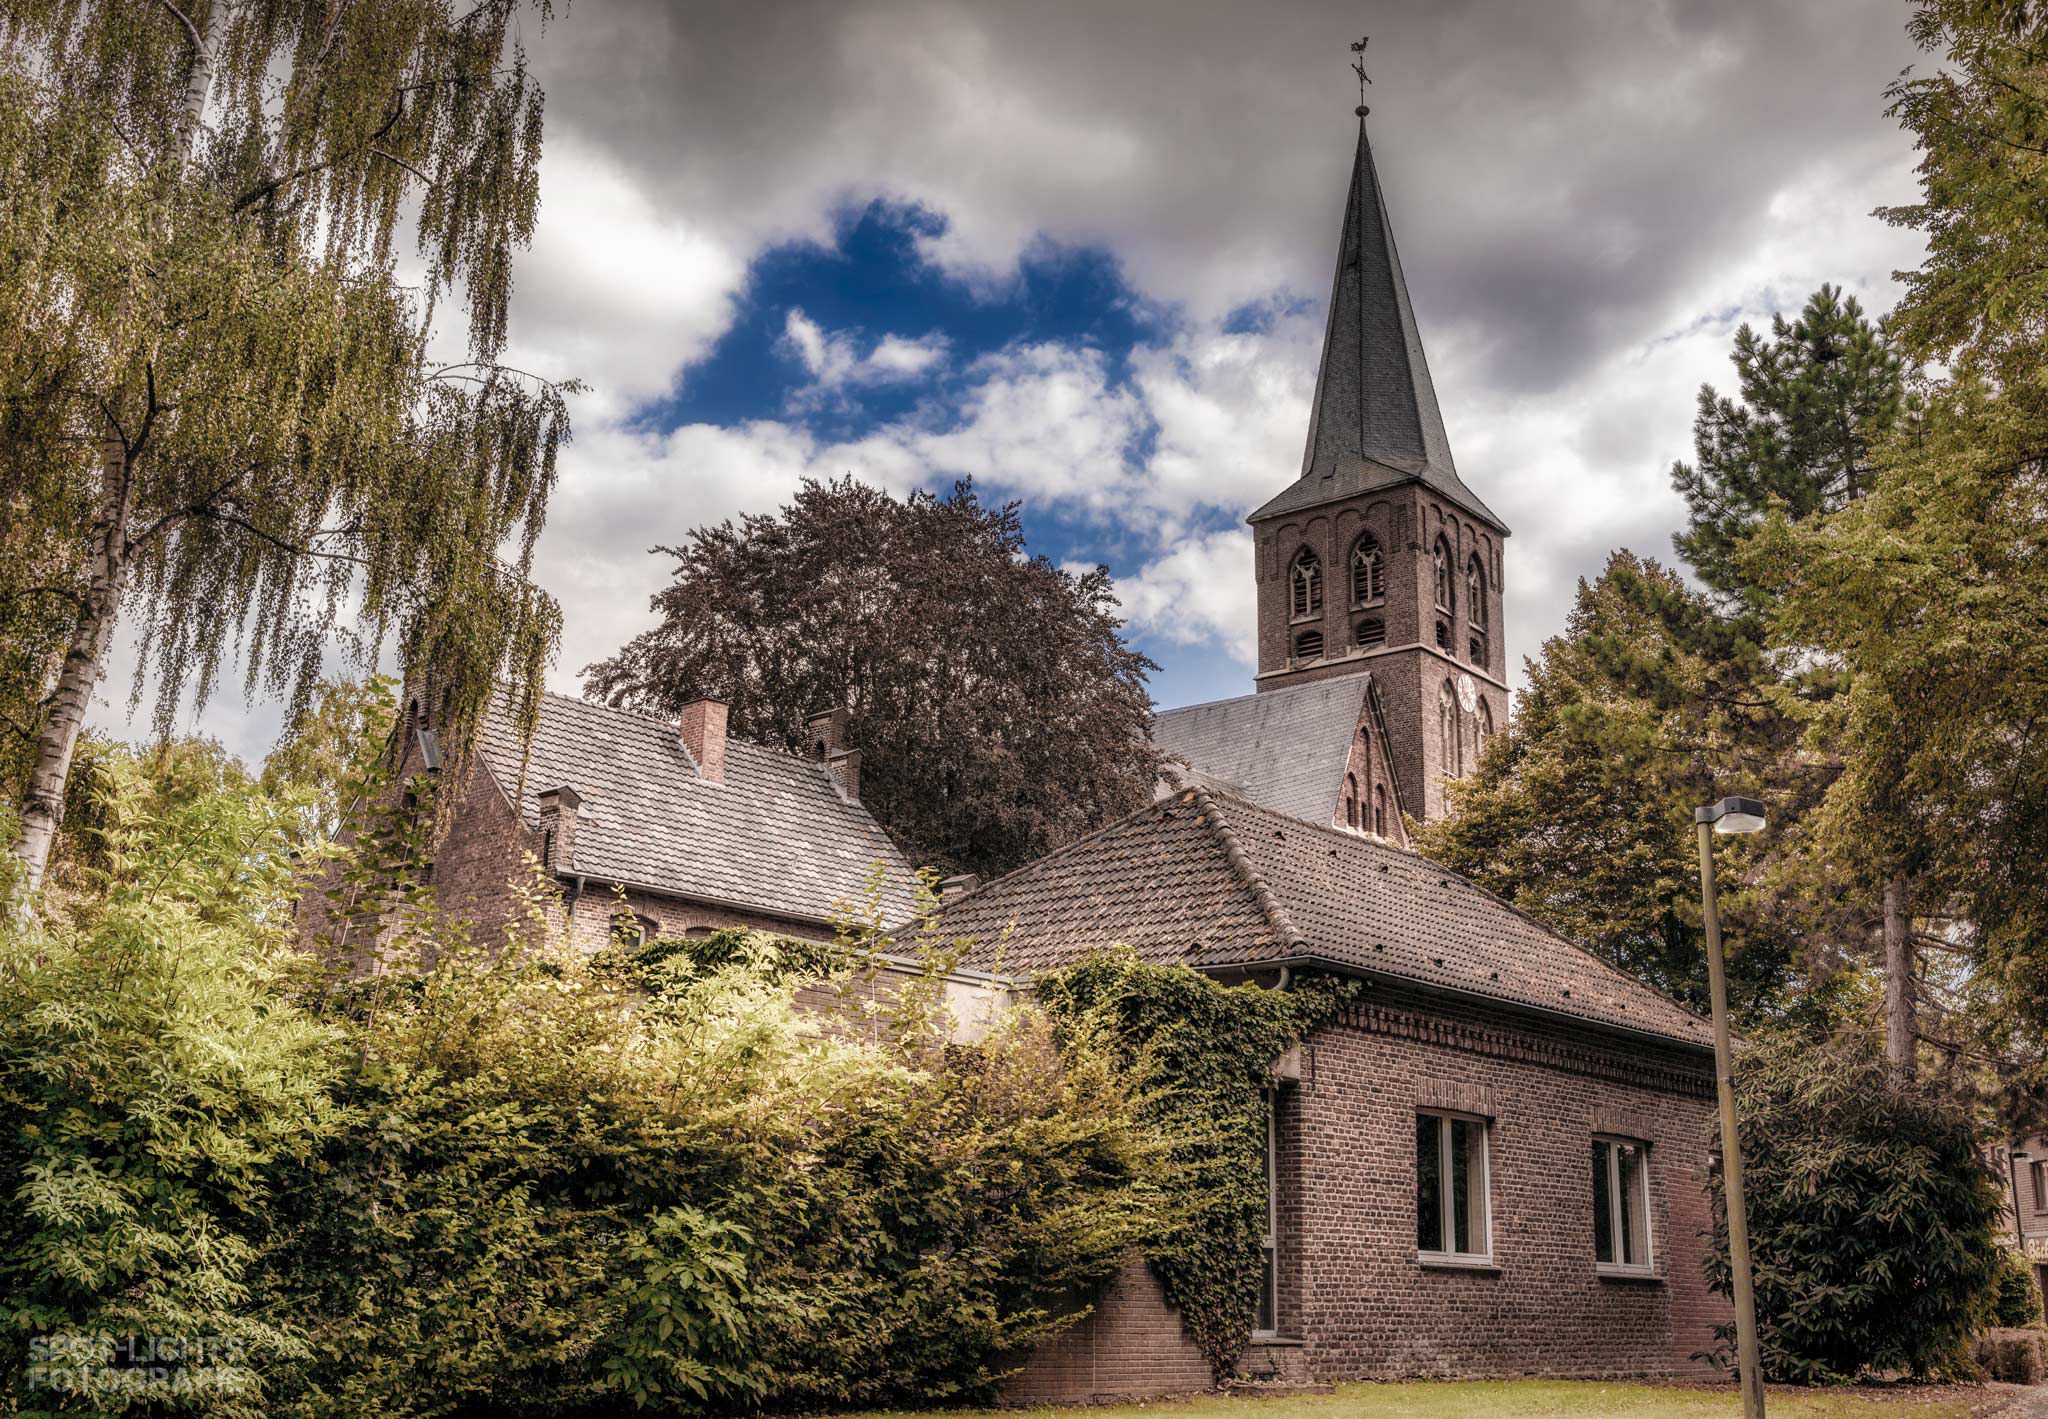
<point x="998" y="711"/>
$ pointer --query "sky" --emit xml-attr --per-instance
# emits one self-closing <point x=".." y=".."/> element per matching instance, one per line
<point x="1079" y="252"/>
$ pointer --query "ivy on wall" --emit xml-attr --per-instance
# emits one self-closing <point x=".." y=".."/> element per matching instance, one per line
<point x="1204" y="1051"/>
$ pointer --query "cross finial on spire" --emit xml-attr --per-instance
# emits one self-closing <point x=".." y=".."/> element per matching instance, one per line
<point x="1358" y="68"/>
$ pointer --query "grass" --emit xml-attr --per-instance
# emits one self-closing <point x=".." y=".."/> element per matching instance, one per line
<point x="1530" y="1399"/>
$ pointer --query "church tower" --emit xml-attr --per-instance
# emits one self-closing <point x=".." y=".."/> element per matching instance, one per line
<point x="1379" y="558"/>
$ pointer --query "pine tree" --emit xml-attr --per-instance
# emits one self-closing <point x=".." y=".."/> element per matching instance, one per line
<point x="1815" y="400"/>
<point x="219" y="419"/>
<point x="1583" y="816"/>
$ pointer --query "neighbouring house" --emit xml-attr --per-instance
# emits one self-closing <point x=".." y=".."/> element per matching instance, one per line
<point x="649" y="827"/>
<point x="1495" y="1163"/>
<point x="2022" y="1165"/>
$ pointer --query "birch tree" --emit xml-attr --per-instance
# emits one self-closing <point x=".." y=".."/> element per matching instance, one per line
<point x="222" y="422"/>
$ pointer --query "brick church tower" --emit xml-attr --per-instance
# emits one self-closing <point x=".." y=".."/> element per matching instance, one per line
<point x="1378" y="559"/>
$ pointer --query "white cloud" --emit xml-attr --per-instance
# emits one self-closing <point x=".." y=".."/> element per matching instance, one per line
<point x="1200" y="591"/>
<point x="836" y="363"/>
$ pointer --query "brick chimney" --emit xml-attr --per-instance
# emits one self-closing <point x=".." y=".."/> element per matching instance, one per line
<point x="702" y="730"/>
<point x="558" y="827"/>
<point x="828" y="732"/>
<point x="844" y="765"/>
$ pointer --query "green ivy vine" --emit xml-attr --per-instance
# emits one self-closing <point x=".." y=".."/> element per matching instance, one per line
<point x="1206" y="1051"/>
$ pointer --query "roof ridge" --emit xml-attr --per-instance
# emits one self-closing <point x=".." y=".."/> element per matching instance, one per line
<point x="1267" y="695"/>
<point x="1234" y="853"/>
<point x="1433" y="865"/>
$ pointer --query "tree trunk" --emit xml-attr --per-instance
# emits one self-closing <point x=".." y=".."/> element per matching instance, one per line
<point x="42" y="807"/>
<point x="1900" y="1027"/>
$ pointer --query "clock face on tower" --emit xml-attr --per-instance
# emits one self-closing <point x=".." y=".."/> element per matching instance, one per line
<point x="1468" y="694"/>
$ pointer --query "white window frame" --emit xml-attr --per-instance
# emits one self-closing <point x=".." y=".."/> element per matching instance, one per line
<point x="1269" y="1245"/>
<point x="1616" y="1203"/>
<point x="1447" y="1193"/>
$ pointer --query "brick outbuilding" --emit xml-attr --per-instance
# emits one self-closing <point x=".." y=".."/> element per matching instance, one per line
<point x="1493" y="1163"/>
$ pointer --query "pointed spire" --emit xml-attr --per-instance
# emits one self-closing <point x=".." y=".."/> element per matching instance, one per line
<point x="1375" y="421"/>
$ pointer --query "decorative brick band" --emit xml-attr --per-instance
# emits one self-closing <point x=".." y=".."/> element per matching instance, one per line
<point x="1590" y="1062"/>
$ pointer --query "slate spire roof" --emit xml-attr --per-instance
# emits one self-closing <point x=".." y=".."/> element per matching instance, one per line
<point x="1375" y="421"/>
<point x="1212" y="881"/>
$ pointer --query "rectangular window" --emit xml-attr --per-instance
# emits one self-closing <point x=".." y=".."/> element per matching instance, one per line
<point x="1621" y="1205"/>
<point x="1268" y="1321"/>
<point x="2040" y="1186"/>
<point x="1450" y="1188"/>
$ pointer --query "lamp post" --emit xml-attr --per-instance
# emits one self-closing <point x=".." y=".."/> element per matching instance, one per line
<point x="1730" y="815"/>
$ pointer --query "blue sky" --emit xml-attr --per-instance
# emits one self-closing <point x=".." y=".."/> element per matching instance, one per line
<point x="1079" y="252"/>
<point x="872" y="287"/>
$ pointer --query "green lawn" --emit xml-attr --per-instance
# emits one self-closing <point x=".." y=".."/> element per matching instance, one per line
<point x="1532" y="1399"/>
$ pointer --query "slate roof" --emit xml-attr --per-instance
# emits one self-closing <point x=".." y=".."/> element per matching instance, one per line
<point x="776" y="836"/>
<point x="1214" y="881"/>
<point x="1375" y="421"/>
<point x="1284" y="748"/>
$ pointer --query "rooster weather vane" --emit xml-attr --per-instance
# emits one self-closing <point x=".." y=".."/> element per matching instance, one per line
<point x="1358" y="68"/>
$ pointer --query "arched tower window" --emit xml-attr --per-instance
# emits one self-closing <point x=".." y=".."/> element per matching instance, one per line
<point x="1446" y="588"/>
<point x="1368" y="571"/>
<point x="1372" y="631"/>
<point x="1379" y="809"/>
<point x="1350" y="801"/>
<point x="1307" y="583"/>
<point x="1485" y="722"/>
<point x="1443" y="634"/>
<point x="1449" y="731"/>
<point x="1308" y="646"/>
<point x="1475" y="610"/>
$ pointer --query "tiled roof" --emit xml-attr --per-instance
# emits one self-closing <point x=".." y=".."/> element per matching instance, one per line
<point x="1375" y="420"/>
<point x="776" y="836"/>
<point x="1213" y="880"/>
<point x="1284" y="748"/>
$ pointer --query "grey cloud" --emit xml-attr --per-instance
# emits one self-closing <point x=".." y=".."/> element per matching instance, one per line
<point x="1557" y="170"/>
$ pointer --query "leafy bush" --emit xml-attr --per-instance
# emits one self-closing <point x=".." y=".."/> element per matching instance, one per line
<point x="1871" y="1213"/>
<point x="157" y="1077"/>
<point x="518" y="1181"/>
<point x="2015" y="1299"/>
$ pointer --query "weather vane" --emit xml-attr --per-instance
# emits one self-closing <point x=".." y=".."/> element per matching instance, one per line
<point x="1358" y="68"/>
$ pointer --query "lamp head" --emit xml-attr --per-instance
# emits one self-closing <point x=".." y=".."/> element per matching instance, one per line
<point x="1732" y="815"/>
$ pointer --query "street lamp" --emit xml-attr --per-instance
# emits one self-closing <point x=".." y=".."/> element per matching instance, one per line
<point x="1731" y="815"/>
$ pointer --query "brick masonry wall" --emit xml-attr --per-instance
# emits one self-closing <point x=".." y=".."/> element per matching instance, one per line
<point x="1130" y="1347"/>
<point x="1370" y="1309"/>
<point x="1352" y="1295"/>
<point x="1411" y="671"/>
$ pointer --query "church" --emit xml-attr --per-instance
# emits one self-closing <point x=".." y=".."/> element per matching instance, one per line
<point x="1492" y="1163"/>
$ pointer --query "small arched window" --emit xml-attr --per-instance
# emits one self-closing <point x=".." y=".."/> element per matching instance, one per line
<point x="1443" y="635"/>
<point x="1379" y="809"/>
<point x="1306" y="582"/>
<point x="1350" y="801"/>
<point x="1475" y="593"/>
<point x="1372" y="631"/>
<point x="1485" y="722"/>
<point x="1308" y="646"/>
<point x="1446" y="589"/>
<point x="1368" y="572"/>
<point x="1449" y="731"/>
<point x="1476" y="650"/>
<point x="631" y="931"/>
